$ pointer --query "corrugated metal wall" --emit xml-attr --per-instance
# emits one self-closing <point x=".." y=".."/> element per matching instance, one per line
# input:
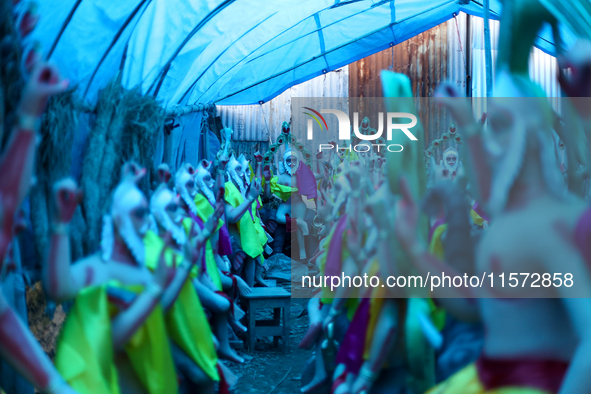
<point x="444" y="54"/>
<point x="427" y="60"/>
<point x="543" y="68"/>
<point x="422" y="58"/>
<point x="441" y="54"/>
<point x="263" y="122"/>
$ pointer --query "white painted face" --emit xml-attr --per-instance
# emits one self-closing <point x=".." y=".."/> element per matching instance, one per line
<point x="174" y="211"/>
<point x="130" y="217"/>
<point x="451" y="160"/>
<point x="166" y="209"/>
<point x="208" y="181"/>
<point x="244" y="164"/>
<point x="130" y="203"/>
<point x="291" y="162"/>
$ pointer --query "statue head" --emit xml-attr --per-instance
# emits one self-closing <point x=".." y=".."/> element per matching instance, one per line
<point x="365" y="123"/>
<point x="245" y="165"/>
<point x="204" y="181"/>
<point x="285" y="128"/>
<point x="167" y="211"/>
<point x="236" y="173"/>
<point x="291" y="162"/>
<point x="364" y="148"/>
<point x="451" y="161"/>
<point x="128" y="219"/>
<point x="184" y="184"/>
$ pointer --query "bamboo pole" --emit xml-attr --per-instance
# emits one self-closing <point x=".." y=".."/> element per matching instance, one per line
<point x="174" y="112"/>
<point x="487" y="49"/>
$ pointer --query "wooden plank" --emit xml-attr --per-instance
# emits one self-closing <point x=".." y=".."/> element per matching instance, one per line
<point x="251" y="327"/>
<point x="276" y="320"/>
<point x="267" y="292"/>
<point x="286" y="328"/>
<point x="269" y="331"/>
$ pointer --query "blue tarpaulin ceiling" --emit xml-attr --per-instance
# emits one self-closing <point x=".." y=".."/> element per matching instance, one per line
<point x="233" y="51"/>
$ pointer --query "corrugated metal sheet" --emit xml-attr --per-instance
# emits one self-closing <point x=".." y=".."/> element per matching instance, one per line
<point x="249" y="122"/>
<point x="441" y="54"/>
<point x="263" y="122"/>
<point x="543" y="68"/>
<point x="425" y="59"/>
<point x="422" y="58"/>
<point x="456" y="52"/>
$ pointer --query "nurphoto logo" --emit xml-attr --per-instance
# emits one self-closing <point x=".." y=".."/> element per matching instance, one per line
<point x="392" y="121"/>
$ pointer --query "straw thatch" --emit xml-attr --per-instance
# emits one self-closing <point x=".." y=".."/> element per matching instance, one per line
<point x="11" y="79"/>
<point x="54" y="160"/>
<point x="125" y="128"/>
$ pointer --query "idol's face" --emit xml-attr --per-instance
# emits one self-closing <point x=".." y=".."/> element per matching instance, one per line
<point x="451" y="160"/>
<point x="238" y="170"/>
<point x="140" y="218"/>
<point x="190" y="186"/>
<point x="291" y="161"/>
<point x="208" y="181"/>
<point x="174" y="211"/>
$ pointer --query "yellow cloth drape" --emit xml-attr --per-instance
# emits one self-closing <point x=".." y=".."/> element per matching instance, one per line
<point x="210" y="264"/>
<point x="327" y="296"/>
<point x="281" y="191"/>
<point x="477" y="219"/>
<point x="375" y="308"/>
<point x="205" y="209"/>
<point x="252" y="234"/>
<point x="150" y="354"/>
<point x="436" y="244"/>
<point x="466" y="381"/>
<point x="85" y="356"/>
<point x="186" y="322"/>
<point x="84" y="351"/>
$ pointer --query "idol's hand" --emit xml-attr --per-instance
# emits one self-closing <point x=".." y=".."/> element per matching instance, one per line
<point x="460" y="108"/>
<point x="45" y="81"/>
<point x="354" y="176"/>
<point x="255" y="189"/>
<point x="378" y="206"/>
<point x="578" y="85"/>
<point x="66" y="197"/>
<point x="219" y="204"/>
<point x="164" y="174"/>
<point x="407" y="216"/>
<point x="267" y="173"/>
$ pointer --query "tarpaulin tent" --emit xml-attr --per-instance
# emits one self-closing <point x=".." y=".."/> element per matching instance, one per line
<point x="230" y="52"/>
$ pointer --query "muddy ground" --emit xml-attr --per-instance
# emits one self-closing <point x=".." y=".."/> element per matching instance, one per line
<point x="268" y="366"/>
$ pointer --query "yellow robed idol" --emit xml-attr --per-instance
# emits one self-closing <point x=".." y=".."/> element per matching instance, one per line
<point x="252" y="234"/>
<point x="186" y="322"/>
<point x="85" y="354"/>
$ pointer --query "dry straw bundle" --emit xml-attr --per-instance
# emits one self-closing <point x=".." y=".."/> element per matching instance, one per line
<point x="53" y="163"/>
<point x="125" y="128"/>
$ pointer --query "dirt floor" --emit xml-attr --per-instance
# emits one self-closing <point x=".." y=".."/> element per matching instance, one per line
<point x="268" y="369"/>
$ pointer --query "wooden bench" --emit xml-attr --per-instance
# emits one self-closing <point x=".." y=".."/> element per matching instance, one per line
<point x="275" y="298"/>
